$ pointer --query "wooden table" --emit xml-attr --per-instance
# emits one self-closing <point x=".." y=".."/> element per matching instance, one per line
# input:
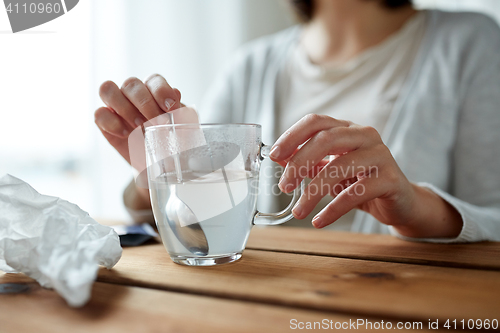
<point x="287" y="277"/>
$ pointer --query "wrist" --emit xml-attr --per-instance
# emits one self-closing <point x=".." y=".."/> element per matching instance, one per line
<point x="136" y="198"/>
<point x="430" y="217"/>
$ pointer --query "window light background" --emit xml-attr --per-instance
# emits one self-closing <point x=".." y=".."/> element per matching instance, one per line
<point x="50" y="76"/>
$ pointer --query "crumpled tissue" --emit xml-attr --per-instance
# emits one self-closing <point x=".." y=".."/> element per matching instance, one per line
<point x="53" y="241"/>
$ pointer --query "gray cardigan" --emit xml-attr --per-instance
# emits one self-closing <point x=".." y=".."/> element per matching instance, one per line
<point x="444" y="131"/>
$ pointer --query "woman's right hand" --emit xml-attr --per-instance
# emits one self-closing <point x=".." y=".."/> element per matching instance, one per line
<point x="131" y="105"/>
<point x="127" y="108"/>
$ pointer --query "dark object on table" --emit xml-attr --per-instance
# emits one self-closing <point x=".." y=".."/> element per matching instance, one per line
<point x="13" y="288"/>
<point x="134" y="235"/>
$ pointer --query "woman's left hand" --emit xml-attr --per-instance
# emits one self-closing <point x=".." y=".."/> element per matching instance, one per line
<point x="362" y="175"/>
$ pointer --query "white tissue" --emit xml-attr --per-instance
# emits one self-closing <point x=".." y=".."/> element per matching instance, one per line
<point x="52" y="241"/>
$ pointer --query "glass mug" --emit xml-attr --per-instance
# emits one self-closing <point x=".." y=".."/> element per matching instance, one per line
<point x="203" y="181"/>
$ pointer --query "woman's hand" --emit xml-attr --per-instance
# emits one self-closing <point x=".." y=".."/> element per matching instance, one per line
<point x="131" y="105"/>
<point x="127" y="108"/>
<point x="363" y="174"/>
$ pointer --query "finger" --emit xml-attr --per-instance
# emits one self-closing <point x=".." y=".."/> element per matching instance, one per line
<point x="300" y="132"/>
<point x="313" y="172"/>
<point x="111" y="123"/>
<point x="112" y="96"/>
<point x="137" y="93"/>
<point x="120" y="144"/>
<point x="317" y="169"/>
<point x="333" y="141"/>
<point x="360" y="163"/>
<point x="362" y="191"/>
<point x="165" y="96"/>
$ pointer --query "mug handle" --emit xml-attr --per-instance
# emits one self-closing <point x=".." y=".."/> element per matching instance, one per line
<point x="286" y="214"/>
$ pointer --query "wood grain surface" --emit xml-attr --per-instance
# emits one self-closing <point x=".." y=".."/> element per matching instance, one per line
<point x="355" y="287"/>
<point x="119" y="309"/>
<point x="286" y="273"/>
<point x="485" y="255"/>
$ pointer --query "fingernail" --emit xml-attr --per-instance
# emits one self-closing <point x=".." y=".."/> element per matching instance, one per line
<point x="288" y="188"/>
<point x="139" y="121"/>
<point x="275" y="152"/>
<point x="169" y="103"/>
<point x="125" y="133"/>
<point x="297" y="210"/>
<point x="282" y="183"/>
<point x="316" y="221"/>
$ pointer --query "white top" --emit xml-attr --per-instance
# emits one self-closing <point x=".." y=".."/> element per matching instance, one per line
<point x="363" y="90"/>
<point x="376" y="75"/>
<point x="443" y="128"/>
